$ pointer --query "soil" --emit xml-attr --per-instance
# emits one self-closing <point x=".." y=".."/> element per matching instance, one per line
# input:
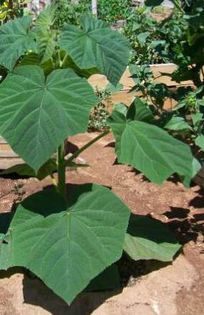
<point x="159" y="289"/>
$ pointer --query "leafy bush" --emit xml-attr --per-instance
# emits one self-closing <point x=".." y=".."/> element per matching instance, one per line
<point x="152" y="92"/>
<point x="140" y="29"/>
<point x="113" y="10"/>
<point x="69" y="12"/>
<point x="186" y="49"/>
<point x="152" y="41"/>
<point x="99" y="114"/>
<point x="10" y="9"/>
<point x="185" y="120"/>
<point x="67" y="235"/>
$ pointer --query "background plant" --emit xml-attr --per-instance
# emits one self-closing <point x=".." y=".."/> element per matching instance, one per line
<point x="153" y="41"/>
<point x="113" y="10"/>
<point x="68" y="11"/>
<point x="99" y="114"/>
<point x="185" y="121"/>
<point x="11" y="9"/>
<point x="141" y="30"/>
<point x="153" y="92"/>
<point x="183" y="31"/>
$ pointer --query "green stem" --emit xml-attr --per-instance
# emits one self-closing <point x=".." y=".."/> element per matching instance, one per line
<point x="61" y="185"/>
<point x="63" y="61"/>
<point x="178" y="5"/>
<point x="59" y="58"/>
<point x="86" y="146"/>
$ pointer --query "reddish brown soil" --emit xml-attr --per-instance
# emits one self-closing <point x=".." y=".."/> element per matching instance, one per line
<point x="181" y="208"/>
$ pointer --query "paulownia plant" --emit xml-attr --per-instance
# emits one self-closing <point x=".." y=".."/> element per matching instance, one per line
<point x="69" y="236"/>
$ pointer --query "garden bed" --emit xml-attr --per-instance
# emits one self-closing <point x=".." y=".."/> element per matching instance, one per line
<point x="171" y="290"/>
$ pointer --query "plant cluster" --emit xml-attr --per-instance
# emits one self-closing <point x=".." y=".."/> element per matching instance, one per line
<point x="185" y="121"/>
<point x="68" y="11"/>
<point x="69" y="234"/>
<point x="114" y="10"/>
<point x="153" y="41"/>
<point x="10" y="9"/>
<point x="99" y="114"/>
<point x="141" y="30"/>
<point x="154" y="93"/>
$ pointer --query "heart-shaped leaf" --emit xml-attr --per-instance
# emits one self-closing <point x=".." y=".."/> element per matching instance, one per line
<point x="38" y="113"/>
<point x="95" y="45"/>
<point x="151" y="150"/>
<point x="15" y="40"/>
<point x="140" y="110"/>
<point x="45" y="35"/>
<point x="200" y="142"/>
<point x="177" y="123"/>
<point x="67" y="245"/>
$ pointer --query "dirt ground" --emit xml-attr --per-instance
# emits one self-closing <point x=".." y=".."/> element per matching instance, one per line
<point x="167" y="289"/>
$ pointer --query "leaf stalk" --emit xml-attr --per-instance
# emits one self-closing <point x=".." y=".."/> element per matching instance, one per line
<point x="86" y="146"/>
<point x="61" y="185"/>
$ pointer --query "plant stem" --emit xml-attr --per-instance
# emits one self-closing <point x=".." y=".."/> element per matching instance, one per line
<point x="54" y="180"/>
<point x="61" y="185"/>
<point x="63" y="61"/>
<point x="86" y="146"/>
<point x="178" y="5"/>
<point x="59" y="59"/>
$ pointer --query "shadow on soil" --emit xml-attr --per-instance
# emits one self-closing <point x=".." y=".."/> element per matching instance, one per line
<point x="36" y="293"/>
<point x="188" y="225"/>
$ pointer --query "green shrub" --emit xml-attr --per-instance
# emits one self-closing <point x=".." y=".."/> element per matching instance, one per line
<point x="69" y="12"/>
<point x="113" y="10"/>
<point x="99" y="114"/>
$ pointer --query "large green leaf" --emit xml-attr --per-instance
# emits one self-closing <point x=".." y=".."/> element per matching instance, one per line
<point x="96" y="46"/>
<point x="177" y="123"/>
<point x="15" y="40"/>
<point x="67" y="245"/>
<point x="45" y="35"/>
<point x="147" y="238"/>
<point x="33" y="59"/>
<point x="199" y="141"/>
<point x="151" y="150"/>
<point x="38" y="113"/>
<point x="140" y="110"/>
<point x="196" y="166"/>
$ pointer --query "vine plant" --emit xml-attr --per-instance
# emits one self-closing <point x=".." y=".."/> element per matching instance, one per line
<point x="69" y="236"/>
